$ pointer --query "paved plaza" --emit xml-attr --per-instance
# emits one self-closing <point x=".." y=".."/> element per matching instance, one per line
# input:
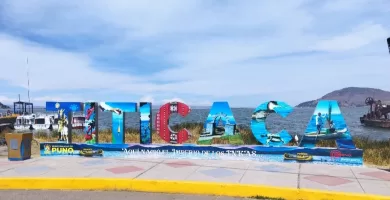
<point x="345" y="179"/>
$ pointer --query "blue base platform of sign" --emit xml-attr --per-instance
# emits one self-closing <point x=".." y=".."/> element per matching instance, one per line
<point x="339" y="156"/>
<point x="18" y="159"/>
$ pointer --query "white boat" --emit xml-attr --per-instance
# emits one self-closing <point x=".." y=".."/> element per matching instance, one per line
<point x="24" y="122"/>
<point x="36" y="122"/>
<point x="78" y="121"/>
<point x="45" y="121"/>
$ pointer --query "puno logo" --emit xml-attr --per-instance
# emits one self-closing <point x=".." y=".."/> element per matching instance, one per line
<point x="47" y="149"/>
<point x="62" y="150"/>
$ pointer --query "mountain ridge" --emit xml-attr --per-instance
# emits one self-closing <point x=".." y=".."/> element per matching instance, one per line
<point x="2" y="106"/>
<point x="350" y="97"/>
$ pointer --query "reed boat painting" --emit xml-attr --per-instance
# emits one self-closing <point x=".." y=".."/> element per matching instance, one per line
<point x="326" y="123"/>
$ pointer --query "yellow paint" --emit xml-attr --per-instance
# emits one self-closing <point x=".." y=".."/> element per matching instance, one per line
<point x="9" y="116"/>
<point x="183" y="187"/>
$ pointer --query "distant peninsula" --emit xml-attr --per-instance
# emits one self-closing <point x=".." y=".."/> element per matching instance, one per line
<point x="2" y="106"/>
<point x="350" y="97"/>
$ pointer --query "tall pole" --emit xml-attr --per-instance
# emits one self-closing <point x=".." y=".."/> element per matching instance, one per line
<point x="28" y="82"/>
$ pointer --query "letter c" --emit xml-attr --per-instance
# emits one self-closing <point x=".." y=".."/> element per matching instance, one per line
<point x="162" y="122"/>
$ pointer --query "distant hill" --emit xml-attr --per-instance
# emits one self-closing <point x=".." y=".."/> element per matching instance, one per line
<point x="350" y="97"/>
<point x="2" y="106"/>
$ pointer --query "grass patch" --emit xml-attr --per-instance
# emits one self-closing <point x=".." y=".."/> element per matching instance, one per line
<point x="205" y="142"/>
<point x="376" y="153"/>
<point x="266" y="198"/>
<point x="235" y="139"/>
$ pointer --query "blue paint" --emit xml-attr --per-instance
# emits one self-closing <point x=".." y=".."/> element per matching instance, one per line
<point x="91" y="122"/>
<point x="22" y="146"/>
<point x="220" y="122"/>
<point x="345" y="144"/>
<point x="15" y="159"/>
<point x="330" y="112"/>
<point x="353" y="157"/>
<point x="259" y="126"/>
<point x="66" y="106"/>
<point x="118" y="120"/>
<point x="145" y="123"/>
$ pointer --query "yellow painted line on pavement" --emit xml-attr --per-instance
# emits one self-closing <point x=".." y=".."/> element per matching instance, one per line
<point x="183" y="187"/>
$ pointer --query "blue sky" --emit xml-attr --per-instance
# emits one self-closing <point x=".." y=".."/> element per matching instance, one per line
<point x="196" y="51"/>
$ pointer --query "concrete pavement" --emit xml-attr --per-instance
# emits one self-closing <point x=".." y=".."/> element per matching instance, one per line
<point x="327" y="178"/>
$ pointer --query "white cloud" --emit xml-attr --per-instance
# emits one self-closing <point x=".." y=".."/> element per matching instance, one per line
<point x="217" y="49"/>
<point x="7" y="101"/>
<point x="145" y="117"/>
<point x="36" y="100"/>
<point x="164" y="101"/>
<point x="51" y="68"/>
<point x="355" y="5"/>
<point x="200" y="103"/>
<point x="41" y="100"/>
<point x="147" y="98"/>
<point x="48" y="98"/>
<point x="361" y="36"/>
<point x="194" y="102"/>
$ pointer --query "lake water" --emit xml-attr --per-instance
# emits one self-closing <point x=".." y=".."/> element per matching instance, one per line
<point x="295" y="123"/>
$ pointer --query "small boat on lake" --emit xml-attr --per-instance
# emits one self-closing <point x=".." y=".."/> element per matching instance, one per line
<point x="377" y="115"/>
